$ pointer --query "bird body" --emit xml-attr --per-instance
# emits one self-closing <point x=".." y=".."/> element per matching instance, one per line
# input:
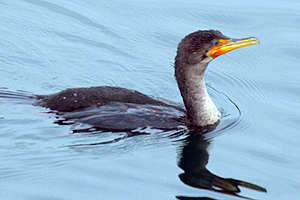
<point x="194" y="53"/>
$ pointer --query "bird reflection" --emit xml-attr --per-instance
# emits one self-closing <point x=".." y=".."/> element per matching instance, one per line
<point x="193" y="159"/>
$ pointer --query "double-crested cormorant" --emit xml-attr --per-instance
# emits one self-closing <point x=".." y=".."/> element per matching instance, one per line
<point x="194" y="53"/>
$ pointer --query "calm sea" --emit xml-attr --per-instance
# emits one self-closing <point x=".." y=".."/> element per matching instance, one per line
<point x="49" y="45"/>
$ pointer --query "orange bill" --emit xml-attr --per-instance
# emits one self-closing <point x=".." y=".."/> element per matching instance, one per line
<point x="226" y="45"/>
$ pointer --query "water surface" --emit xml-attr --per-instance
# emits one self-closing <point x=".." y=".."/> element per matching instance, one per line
<point x="47" y="46"/>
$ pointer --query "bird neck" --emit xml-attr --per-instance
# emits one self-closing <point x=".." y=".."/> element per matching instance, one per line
<point x="201" y="111"/>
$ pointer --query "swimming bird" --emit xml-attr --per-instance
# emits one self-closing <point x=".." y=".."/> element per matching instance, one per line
<point x="121" y="109"/>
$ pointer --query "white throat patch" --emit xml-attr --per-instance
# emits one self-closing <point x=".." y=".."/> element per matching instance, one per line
<point x="207" y="59"/>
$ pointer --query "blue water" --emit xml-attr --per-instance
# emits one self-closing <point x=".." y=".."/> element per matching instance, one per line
<point x="47" y="46"/>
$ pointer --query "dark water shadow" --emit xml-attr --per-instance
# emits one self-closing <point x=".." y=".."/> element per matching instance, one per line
<point x="192" y="145"/>
<point x="193" y="158"/>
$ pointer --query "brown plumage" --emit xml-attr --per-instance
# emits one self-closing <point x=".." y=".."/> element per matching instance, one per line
<point x="194" y="53"/>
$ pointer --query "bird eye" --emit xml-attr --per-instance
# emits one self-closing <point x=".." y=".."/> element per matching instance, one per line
<point x="216" y="42"/>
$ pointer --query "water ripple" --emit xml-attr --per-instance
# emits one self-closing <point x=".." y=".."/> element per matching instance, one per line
<point x="235" y="87"/>
<point x="230" y="111"/>
<point x="69" y="13"/>
<point x="76" y="38"/>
